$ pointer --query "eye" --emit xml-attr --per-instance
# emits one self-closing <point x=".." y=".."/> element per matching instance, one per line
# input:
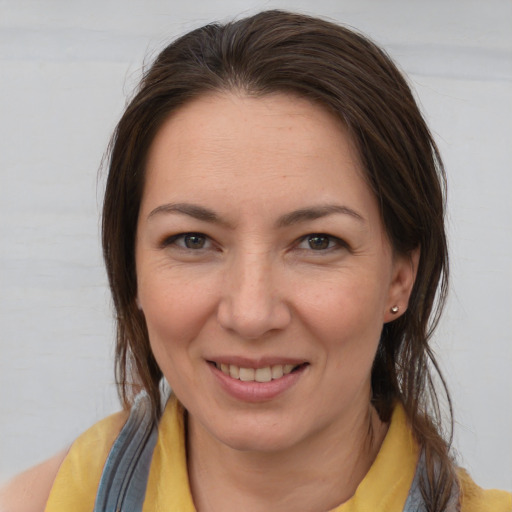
<point x="193" y="241"/>
<point x="320" y="242"/>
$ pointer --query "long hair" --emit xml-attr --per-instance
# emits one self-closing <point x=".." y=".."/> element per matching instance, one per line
<point x="276" y="51"/>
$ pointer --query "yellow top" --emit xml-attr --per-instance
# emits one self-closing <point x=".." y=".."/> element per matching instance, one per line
<point x="383" y="489"/>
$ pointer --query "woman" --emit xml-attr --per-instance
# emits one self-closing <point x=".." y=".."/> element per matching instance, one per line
<point x="273" y="231"/>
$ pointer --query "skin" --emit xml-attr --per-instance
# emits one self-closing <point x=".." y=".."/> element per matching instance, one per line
<point x="29" y="491"/>
<point x="253" y="179"/>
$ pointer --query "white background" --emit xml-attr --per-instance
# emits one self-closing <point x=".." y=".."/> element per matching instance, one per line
<point x="66" y="68"/>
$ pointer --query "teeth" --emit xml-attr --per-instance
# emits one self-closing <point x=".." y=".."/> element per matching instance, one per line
<point x="277" y="372"/>
<point x="234" y="371"/>
<point x="265" y="374"/>
<point x="247" y="374"/>
<point x="287" y="368"/>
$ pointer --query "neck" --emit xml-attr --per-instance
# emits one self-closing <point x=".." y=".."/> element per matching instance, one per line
<point x="320" y="474"/>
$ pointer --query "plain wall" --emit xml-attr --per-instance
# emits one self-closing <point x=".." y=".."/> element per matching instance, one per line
<point x="66" y="69"/>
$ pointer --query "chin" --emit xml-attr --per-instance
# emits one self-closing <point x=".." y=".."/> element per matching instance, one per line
<point x="260" y="443"/>
<point x="256" y="436"/>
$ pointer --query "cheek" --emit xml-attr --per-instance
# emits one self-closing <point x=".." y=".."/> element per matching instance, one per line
<point x="347" y="317"/>
<point x="175" y="313"/>
<point x="175" y="310"/>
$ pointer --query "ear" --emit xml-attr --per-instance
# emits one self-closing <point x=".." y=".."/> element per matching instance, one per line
<point x="137" y="301"/>
<point x="405" y="267"/>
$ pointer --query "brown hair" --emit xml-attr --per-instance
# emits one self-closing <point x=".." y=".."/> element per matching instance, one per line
<point x="344" y="71"/>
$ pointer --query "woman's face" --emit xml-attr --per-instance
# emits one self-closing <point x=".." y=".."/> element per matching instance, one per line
<point x="263" y="270"/>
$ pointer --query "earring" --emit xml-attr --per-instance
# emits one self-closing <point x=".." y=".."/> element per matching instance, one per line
<point x="394" y="310"/>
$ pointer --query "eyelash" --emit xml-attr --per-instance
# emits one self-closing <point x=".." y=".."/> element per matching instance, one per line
<point x="333" y="242"/>
<point x="173" y="240"/>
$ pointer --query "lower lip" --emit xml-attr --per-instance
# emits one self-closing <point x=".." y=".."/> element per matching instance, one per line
<point x="257" y="391"/>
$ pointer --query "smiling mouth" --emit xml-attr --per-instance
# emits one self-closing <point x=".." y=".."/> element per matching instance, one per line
<point x="265" y="374"/>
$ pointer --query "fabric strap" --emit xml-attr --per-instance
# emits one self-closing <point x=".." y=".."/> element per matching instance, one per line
<point x="125" y="475"/>
<point x="415" y="503"/>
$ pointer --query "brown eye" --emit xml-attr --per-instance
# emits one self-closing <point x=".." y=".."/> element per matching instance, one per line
<point x="319" y="242"/>
<point x="194" y="241"/>
<point x="187" y="241"/>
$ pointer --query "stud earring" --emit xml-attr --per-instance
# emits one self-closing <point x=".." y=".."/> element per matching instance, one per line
<point x="394" y="310"/>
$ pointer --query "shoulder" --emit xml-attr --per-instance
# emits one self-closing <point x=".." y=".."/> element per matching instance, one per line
<point x="476" y="499"/>
<point x="62" y="481"/>
<point x="29" y="491"/>
<point x="76" y="483"/>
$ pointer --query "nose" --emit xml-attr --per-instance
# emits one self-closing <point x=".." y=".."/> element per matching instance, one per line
<point x="253" y="300"/>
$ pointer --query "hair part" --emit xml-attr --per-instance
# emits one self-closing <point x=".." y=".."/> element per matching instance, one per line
<point x="276" y="52"/>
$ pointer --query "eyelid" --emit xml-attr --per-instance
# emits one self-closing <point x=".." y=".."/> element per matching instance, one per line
<point x="171" y="241"/>
<point x="338" y="242"/>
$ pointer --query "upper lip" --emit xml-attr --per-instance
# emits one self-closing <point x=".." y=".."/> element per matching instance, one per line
<point x="262" y="362"/>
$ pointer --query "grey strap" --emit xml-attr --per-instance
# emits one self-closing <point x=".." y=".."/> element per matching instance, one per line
<point x="125" y="475"/>
<point x="414" y="502"/>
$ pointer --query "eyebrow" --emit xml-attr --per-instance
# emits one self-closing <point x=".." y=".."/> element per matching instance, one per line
<point x="192" y="210"/>
<point x="316" y="212"/>
<point x="297" y="216"/>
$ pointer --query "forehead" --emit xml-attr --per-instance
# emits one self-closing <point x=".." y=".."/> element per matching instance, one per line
<point x="217" y="123"/>
<point x="272" y="148"/>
